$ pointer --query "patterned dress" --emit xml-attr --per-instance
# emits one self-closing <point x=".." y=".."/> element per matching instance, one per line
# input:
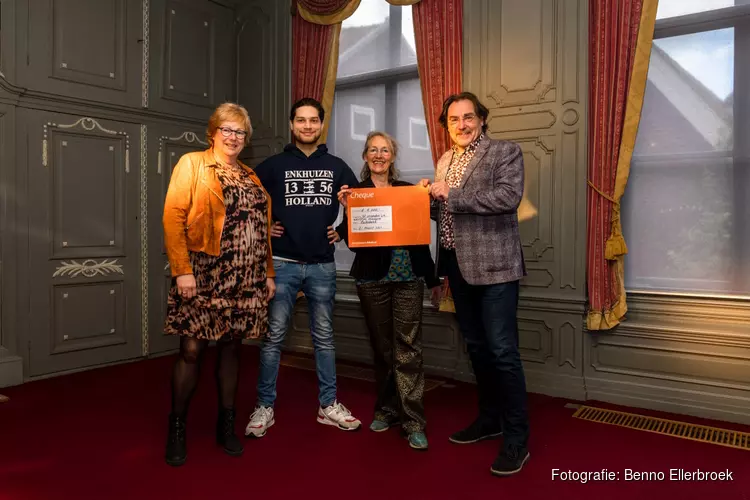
<point x="231" y="294"/>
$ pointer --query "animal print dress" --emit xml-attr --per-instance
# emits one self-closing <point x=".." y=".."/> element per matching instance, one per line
<point x="231" y="296"/>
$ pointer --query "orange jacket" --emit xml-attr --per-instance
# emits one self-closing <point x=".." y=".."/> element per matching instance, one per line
<point x="194" y="211"/>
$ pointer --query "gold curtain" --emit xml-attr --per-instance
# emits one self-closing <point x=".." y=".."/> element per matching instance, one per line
<point x="330" y="85"/>
<point x="345" y="13"/>
<point x="335" y="18"/>
<point x="616" y="249"/>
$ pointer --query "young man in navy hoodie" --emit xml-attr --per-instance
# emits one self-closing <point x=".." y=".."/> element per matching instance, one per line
<point x="303" y="182"/>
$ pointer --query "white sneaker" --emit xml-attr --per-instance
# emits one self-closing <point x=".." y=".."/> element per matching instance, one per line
<point x="338" y="416"/>
<point x="260" y="421"/>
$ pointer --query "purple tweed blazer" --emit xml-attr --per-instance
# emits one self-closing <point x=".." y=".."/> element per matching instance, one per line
<point x="488" y="242"/>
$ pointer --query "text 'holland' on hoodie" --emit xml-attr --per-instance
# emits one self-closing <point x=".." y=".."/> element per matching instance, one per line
<point x="304" y="200"/>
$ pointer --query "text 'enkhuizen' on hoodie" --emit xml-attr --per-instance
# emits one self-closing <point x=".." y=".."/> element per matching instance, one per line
<point x="304" y="200"/>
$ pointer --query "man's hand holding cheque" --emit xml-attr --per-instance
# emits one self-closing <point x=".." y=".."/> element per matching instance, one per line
<point x="440" y="190"/>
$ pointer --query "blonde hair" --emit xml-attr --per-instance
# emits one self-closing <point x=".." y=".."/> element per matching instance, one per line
<point x="393" y="172"/>
<point x="228" y="112"/>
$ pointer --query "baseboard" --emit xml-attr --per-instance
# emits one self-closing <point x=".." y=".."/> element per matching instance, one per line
<point x="700" y="404"/>
<point x="161" y="354"/>
<point x="85" y="369"/>
<point x="548" y="384"/>
<point x="11" y="369"/>
<point x="556" y="385"/>
<point x="447" y="373"/>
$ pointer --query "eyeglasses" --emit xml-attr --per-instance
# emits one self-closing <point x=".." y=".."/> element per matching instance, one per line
<point x="468" y="118"/>
<point x="227" y="132"/>
<point x="383" y="151"/>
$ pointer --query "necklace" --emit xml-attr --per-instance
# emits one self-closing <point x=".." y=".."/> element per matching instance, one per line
<point x="223" y="163"/>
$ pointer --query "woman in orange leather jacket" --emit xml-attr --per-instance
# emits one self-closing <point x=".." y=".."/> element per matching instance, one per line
<point x="216" y="231"/>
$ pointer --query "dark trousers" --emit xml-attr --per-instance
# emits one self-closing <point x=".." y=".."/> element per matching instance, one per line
<point x="393" y="313"/>
<point x="487" y="318"/>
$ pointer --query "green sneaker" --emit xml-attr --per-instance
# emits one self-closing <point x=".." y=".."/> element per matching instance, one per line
<point x="418" y="440"/>
<point x="379" y="426"/>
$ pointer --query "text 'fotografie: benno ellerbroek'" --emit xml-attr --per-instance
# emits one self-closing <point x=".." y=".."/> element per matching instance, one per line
<point x="635" y="475"/>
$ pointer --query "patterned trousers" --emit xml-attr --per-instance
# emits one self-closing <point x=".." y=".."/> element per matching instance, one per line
<point x="393" y="313"/>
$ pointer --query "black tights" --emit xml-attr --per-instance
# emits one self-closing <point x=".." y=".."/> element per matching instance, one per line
<point x="187" y="369"/>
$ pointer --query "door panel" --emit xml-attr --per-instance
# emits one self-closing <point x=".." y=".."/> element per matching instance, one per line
<point x="192" y="57"/>
<point x="168" y="144"/>
<point x="84" y="228"/>
<point x="57" y="37"/>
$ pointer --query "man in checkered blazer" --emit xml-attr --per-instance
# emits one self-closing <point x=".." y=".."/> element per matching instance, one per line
<point x="477" y="190"/>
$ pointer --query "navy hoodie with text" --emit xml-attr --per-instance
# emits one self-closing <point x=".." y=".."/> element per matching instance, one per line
<point x="303" y="194"/>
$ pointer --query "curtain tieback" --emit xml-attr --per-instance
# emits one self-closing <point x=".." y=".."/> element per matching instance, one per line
<point x="602" y="193"/>
<point x="615" y="246"/>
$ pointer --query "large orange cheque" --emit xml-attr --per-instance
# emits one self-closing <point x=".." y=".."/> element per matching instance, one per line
<point x="389" y="217"/>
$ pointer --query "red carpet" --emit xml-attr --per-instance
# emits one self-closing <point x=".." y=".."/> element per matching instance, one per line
<point x="100" y="434"/>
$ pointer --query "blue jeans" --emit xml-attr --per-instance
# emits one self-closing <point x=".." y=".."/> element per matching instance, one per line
<point x="318" y="283"/>
<point x="487" y="318"/>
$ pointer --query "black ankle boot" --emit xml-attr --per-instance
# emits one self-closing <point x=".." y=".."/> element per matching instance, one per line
<point x="225" y="435"/>
<point x="176" y="453"/>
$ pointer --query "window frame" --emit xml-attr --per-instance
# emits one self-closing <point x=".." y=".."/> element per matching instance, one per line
<point x="355" y="109"/>
<point x="738" y="18"/>
<point x="389" y="78"/>
<point x="422" y="123"/>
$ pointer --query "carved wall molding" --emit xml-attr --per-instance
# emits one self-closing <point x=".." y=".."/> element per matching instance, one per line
<point x="570" y="117"/>
<point x="538" y="248"/>
<point x="541" y="159"/>
<point x="144" y="237"/>
<point x="522" y="122"/>
<point x="683" y="357"/>
<point x="531" y="77"/>
<point x="146" y="63"/>
<point x="539" y="90"/>
<point x="88" y="124"/>
<point x="683" y="310"/>
<point x="187" y="137"/>
<point x="534" y="46"/>
<point x="540" y="329"/>
<point x="554" y="303"/>
<point x="88" y="268"/>
<point x="567" y="342"/>
<point x="683" y="335"/>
